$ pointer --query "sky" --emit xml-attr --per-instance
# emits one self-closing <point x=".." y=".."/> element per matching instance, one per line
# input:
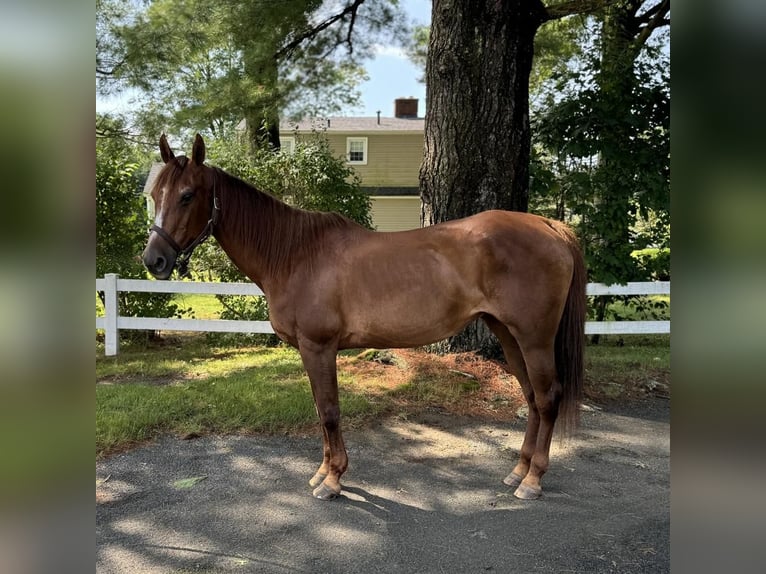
<point x="391" y="75"/>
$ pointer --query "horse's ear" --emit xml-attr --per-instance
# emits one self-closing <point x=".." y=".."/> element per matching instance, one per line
<point x="165" y="151"/>
<point x="198" y="150"/>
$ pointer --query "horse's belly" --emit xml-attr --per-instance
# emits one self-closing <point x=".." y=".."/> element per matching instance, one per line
<point x="395" y="323"/>
<point x="401" y="340"/>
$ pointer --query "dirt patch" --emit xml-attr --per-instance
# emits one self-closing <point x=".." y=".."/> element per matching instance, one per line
<point x="637" y="386"/>
<point x="469" y="385"/>
<point x="460" y="383"/>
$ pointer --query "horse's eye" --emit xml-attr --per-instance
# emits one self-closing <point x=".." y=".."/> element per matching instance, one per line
<point x="186" y="197"/>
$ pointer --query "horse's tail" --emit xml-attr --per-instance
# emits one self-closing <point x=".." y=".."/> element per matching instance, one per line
<point x="570" y="339"/>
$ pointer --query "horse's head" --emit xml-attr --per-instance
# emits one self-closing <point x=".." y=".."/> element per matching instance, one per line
<point x="185" y="210"/>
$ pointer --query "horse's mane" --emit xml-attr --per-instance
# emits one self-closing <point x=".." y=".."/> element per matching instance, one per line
<point x="281" y="234"/>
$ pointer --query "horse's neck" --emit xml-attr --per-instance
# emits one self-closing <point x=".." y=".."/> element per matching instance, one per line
<point x="253" y="231"/>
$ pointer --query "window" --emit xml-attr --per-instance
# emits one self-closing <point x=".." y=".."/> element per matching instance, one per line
<point x="356" y="150"/>
<point x="287" y="144"/>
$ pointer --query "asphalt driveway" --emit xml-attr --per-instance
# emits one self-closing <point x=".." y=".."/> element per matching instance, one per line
<point x="421" y="495"/>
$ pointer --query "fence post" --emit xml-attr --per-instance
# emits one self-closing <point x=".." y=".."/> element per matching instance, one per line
<point x="111" y="312"/>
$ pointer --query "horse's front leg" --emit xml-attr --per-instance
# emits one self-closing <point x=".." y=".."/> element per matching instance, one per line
<point x="319" y="361"/>
<point x="324" y="468"/>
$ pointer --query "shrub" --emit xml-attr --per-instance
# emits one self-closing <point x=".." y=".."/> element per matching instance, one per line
<point x="121" y="228"/>
<point x="653" y="263"/>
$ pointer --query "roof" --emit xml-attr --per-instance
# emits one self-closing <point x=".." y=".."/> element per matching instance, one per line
<point x="354" y="124"/>
<point x="154" y="171"/>
<point x="390" y="191"/>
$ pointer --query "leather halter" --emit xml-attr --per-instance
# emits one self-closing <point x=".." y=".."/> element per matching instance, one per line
<point x="183" y="255"/>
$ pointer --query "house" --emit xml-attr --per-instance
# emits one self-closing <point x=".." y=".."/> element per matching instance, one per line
<point x="385" y="153"/>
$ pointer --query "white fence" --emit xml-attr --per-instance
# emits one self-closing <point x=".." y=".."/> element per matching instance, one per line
<point x="112" y="322"/>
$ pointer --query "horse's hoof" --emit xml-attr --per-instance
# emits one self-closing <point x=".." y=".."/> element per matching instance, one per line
<point x="324" y="492"/>
<point x="317" y="479"/>
<point x="513" y="480"/>
<point x="526" y="492"/>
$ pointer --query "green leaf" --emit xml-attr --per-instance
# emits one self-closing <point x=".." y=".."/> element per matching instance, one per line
<point x="186" y="483"/>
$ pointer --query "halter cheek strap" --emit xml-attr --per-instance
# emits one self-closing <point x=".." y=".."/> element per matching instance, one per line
<point x="183" y="255"/>
<point x="166" y="236"/>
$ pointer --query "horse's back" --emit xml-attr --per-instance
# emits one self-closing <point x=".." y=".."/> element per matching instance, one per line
<point x="489" y="242"/>
<point x="511" y="238"/>
<point x="413" y="287"/>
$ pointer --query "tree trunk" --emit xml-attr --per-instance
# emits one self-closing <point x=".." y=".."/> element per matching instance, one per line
<point x="477" y="135"/>
<point x="615" y="182"/>
<point x="261" y="112"/>
<point x="264" y="132"/>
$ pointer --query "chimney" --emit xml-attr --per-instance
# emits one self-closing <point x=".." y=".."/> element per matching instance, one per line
<point x="406" y="108"/>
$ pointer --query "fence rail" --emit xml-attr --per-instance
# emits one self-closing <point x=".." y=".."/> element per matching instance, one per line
<point x="112" y="322"/>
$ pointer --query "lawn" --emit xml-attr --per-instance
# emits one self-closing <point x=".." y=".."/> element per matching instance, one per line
<point x="204" y="306"/>
<point x="186" y="385"/>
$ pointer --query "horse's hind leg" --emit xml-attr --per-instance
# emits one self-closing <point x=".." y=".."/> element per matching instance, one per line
<point x="546" y="390"/>
<point x="518" y="368"/>
<point x="319" y="361"/>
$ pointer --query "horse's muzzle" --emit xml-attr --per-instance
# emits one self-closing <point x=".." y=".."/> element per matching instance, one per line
<point x="159" y="262"/>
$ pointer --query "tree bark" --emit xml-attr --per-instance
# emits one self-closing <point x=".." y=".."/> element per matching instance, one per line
<point x="261" y="113"/>
<point x="477" y="134"/>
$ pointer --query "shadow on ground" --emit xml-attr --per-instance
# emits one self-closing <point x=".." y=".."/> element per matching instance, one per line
<point x="421" y="495"/>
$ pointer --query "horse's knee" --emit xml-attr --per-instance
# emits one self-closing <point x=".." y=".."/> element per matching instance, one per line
<point x="330" y="417"/>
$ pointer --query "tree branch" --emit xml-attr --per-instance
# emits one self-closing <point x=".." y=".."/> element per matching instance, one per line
<point x="658" y="19"/>
<point x="572" y="7"/>
<point x="647" y="16"/>
<point x="350" y="31"/>
<point x="351" y="9"/>
<point x="105" y="67"/>
<point x="123" y="135"/>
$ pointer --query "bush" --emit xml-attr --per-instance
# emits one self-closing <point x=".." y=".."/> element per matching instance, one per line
<point x="653" y="263"/>
<point x="313" y="178"/>
<point x="310" y="178"/>
<point x="630" y="308"/>
<point x="121" y="225"/>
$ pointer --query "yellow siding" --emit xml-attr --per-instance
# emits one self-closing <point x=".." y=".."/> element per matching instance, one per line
<point x="397" y="213"/>
<point x="393" y="160"/>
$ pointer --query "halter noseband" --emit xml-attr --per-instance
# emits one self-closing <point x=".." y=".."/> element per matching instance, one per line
<point x="183" y="255"/>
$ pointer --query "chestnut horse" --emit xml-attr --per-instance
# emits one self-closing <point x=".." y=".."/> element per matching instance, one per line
<point x="331" y="284"/>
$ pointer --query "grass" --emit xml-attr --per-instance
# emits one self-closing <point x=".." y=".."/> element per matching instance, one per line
<point x="621" y="356"/>
<point x="626" y="367"/>
<point x="204" y="306"/>
<point x="191" y="384"/>
<point x="186" y="386"/>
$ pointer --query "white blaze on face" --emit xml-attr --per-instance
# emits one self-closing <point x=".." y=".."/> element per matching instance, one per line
<point x="158" y="219"/>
